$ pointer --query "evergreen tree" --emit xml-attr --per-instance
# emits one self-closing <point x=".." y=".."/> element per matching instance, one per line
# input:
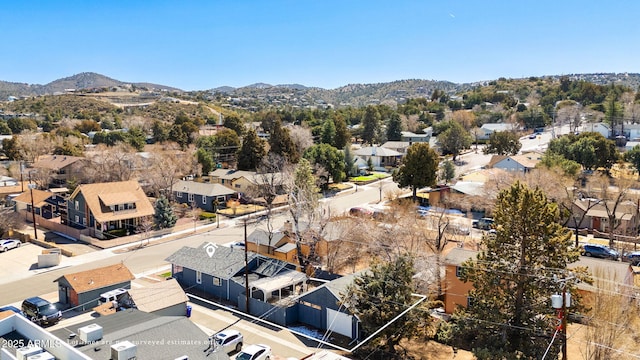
<point x="503" y="143"/>
<point x="448" y="171"/>
<point x="281" y="144"/>
<point x="343" y="136"/>
<point x="370" y="124"/>
<point x="381" y="294"/>
<point x="234" y="123"/>
<point x="513" y="278"/>
<point x="206" y="160"/>
<point x="251" y="152"/>
<point x="160" y="132"/>
<point x="454" y="139"/>
<point x="328" y="132"/>
<point x="349" y="162"/>
<point x="330" y="158"/>
<point x="394" y="128"/>
<point x="419" y="168"/>
<point x="164" y="216"/>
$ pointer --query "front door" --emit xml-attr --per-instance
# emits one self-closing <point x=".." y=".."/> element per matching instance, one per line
<point x="596" y="223"/>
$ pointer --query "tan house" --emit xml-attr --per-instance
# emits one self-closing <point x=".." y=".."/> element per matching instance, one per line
<point x="107" y="207"/>
<point x="455" y="289"/>
<point x="595" y="215"/>
<point x="62" y="167"/>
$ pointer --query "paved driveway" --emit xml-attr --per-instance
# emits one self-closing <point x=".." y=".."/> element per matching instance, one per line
<point x="19" y="260"/>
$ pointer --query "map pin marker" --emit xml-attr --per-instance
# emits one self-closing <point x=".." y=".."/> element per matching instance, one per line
<point x="210" y="250"/>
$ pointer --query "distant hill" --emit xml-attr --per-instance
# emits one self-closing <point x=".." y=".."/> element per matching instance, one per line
<point x="81" y="81"/>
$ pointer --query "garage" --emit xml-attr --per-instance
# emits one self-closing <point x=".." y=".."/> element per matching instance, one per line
<point x="340" y="323"/>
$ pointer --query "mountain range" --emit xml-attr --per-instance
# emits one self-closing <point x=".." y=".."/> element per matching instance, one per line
<point x="352" y="94"/>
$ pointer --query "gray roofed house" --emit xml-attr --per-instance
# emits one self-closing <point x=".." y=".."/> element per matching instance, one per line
<point x="379" y="156"/>
<point x="223" y="263"/>
<point x="205" y="196"/>
<point x="155" y="337"/>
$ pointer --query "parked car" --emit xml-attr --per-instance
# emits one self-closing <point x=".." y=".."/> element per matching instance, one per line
<point x="8" y="244"/>
<point x="237" y="245"/>
<point x="599" y="251"/>
<point x="255" y="352"/>
<point x="483" y="224"/>
<point x="40" y="311"/>
<point x="457" y="229"/>
<point x="533" y="136"/>
<point x="360" y="212"/>
<point x="229" y="340"/>
<point x="12" y="308"/>
<point x="633" y="257"/>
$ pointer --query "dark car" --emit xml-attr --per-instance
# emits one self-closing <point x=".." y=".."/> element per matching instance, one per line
<point x="40" y="311"/>
<point x="483" y="224"/>
<point x="599" y="251"/>
<point x="633" y="257"/>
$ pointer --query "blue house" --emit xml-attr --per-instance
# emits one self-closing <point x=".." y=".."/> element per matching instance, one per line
<point x="204" y="195"/>
<point x="46" y="203"/>
<point x="322" y="309"/>
<point x="219" y="271"/>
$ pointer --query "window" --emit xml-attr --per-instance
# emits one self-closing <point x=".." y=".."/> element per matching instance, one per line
<point x="237" y="186"/>
<point x="204" y="199"/>
<point x="217" y="281"/>
<point x="179" y="194"/>
<point x="84" y="221"/>
<point x="458" y="271"/>
<point x="470" y="301"/>
<point x="77" y="205"/>
<point x="198" y="277"/>
<point x="190" y="197"/>
<point x="77" y="219"/>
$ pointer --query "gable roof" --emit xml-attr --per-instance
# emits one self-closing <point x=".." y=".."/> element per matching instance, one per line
<point x="376" y="151"/>
<point x="98" y="278"/>
<point x="55" y="162"/>
<point x="261" y="237"/>
<point x="457" y="256"/>
<point x="39" y="197"/>
<point x="203" y="189"/>
<point x="230" y="174"/>
<point x="624" y="211"/>
<point x="158" y="296"/>
<point x="497" y="126"/>
<point x="224" y="263"/>
<point x="100" y="196"/>
<point x="528" y="160"/>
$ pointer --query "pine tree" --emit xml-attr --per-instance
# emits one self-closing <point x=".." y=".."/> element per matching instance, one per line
<point x="381" y="294"/>
<point x="513" y="278"/>
<point x="251" y="152"/>
<point x="281" y="144"/>
<point x="164" y="216"/>
<point x="394" y="128"/>
<point x="328" y="132"/>
<point x="343" y="136"/>
<point x="419" y="168"/>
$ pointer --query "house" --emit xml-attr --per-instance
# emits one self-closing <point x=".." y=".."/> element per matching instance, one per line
<point x="226" y="177"/>
<point x="601" y="128"/>
<point x="487" y="129"/>
<point x="46" y="203"/>
<point x="595" y="215"/>
<point x="83" y="289"/>
<point x="379" y="157"/>
<point x="134" y="334"/>
<point x="105" y="207"/>
<point x="399" y="146"/>
<point x="411" y="137"/>
<point x="322" y="308"/>
<point x="164" y="298"/>
<point x="206" y="196"/>
<point x="242" y="181"/>
<point x="455" y="289"/>
<point x="62" y="167"/>
<point x="278" y="248"/>
<point x="620" y="275"/>
<point x="28" y="338"/>
<point x="219" y="272"/>
<point x="521" y="162"/>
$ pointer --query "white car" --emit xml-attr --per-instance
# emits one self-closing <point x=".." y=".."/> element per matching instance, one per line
<point x="255" y="352"/>
<point x="229" y="340"/>
<point x="8" y="244"/>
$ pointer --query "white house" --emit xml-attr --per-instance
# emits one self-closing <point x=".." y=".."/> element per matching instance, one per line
<point x="490" y="128"/>
<point x="380" y="157"/>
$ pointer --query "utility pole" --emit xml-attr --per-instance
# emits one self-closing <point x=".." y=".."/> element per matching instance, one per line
<point x="33" y="209"/>
<point x="564" y="321"/>
<point x="246" y="266"/>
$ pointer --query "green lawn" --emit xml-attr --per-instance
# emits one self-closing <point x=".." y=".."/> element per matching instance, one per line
<point x="370" y="177"/>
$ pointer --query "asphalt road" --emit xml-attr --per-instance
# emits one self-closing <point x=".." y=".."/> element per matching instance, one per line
<point x="151" y="258"/>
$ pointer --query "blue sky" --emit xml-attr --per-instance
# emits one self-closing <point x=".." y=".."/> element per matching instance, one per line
<point x="197" y="45"/>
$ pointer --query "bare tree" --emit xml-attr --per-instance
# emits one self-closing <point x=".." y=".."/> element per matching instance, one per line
<point x="301" y="137"/>
<point x="165" y="166"/>
<point x="613" y="319"/>
<point x="145" y="225"/>
<point x="570" y="114"/>
<point x="33" y="145"/>
<point x="271" y="180"/>
<point x="10" y="220"/>
<point x="616" y="201"/>
<point x="111" y="163"/>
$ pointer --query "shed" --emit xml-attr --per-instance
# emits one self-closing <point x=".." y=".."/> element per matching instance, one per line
<point x="83" y="289"/>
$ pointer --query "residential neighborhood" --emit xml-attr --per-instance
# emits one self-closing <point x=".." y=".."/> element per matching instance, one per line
<point x="416" y="219"/>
